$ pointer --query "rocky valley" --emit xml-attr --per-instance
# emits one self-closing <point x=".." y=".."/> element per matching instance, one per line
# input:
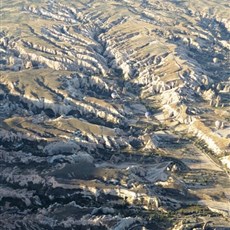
<point x="114" y="114"/>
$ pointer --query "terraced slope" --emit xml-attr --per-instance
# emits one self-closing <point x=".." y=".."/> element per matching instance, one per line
<point x="114" y="114"/>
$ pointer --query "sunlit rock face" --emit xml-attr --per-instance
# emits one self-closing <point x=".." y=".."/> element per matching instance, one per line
<point x="114" y="114"/>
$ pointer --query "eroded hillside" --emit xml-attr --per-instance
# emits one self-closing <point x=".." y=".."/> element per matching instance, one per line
<point x="114" y="114"/>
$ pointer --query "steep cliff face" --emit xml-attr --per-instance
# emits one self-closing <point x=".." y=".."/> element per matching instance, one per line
<point x="108" y="110"/>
